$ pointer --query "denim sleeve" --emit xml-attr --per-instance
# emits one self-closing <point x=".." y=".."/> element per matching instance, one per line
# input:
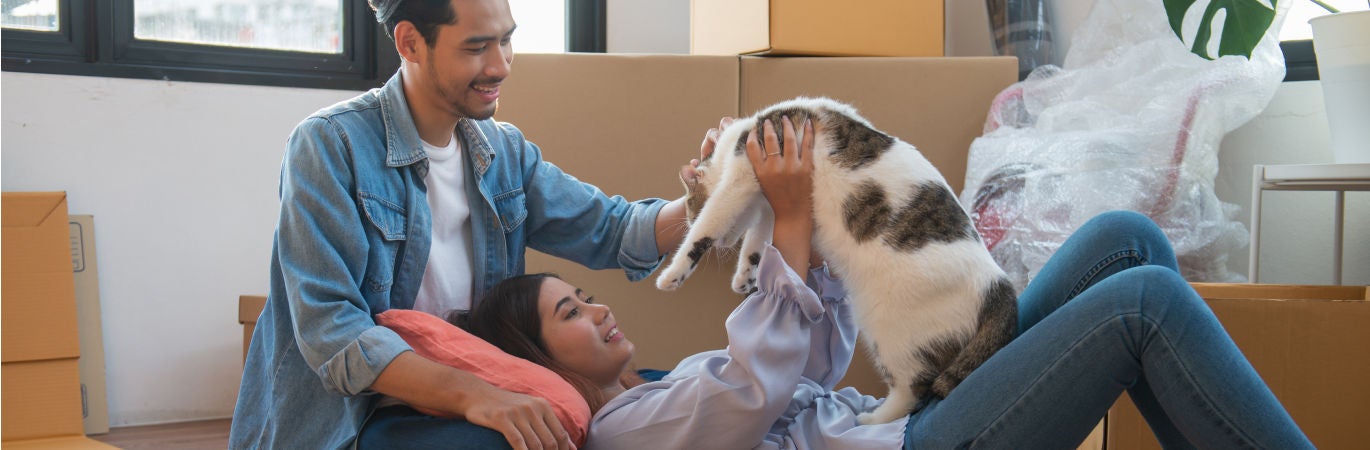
<point x="575" y="220"/>
<point x="727" y="398"/>
<point x="322" y="255"/>
<point x="833" y="339"/>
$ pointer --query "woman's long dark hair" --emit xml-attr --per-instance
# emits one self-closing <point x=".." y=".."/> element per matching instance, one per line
<point x="508" y="318"/>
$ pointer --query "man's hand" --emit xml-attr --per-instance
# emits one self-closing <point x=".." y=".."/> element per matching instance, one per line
<point x="526" y="422"/>
<point x="706" y="148"/>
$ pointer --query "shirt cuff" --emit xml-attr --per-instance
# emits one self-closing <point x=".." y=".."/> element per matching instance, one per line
<point x="638" y="253"/>
<point x="776" y="279"/>
<point x="353" y="370"/>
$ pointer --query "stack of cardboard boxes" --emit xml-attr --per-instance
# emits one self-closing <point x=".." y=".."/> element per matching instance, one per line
<point x="42" y="402"/>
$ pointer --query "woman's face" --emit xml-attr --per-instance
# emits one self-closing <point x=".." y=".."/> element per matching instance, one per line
<point x="581" y="334"/>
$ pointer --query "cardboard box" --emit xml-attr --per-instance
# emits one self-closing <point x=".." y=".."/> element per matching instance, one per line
<point x="41" y="399"/>
<point x="85" y="273"/>
<point x="1309" y="344"/>
<point x="39" y="308"/>
<point x="41" y="375"/>
<point x="249" y="309"/>
<point x="649" y="116"/>
<point x="817" y="27"/>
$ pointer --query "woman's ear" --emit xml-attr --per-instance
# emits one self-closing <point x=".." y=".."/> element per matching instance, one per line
<point x="409" y="42"/>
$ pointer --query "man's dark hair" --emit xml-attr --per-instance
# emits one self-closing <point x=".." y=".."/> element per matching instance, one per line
<point x="426" y="15"/>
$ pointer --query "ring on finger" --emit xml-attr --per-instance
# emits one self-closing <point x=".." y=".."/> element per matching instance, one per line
<point x="773" y="154"/>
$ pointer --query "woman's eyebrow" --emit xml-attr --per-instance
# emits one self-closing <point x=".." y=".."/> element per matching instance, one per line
<point x="563" y="301"/>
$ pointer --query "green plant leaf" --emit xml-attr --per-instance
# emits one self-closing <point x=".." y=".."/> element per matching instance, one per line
<point x="1243" y="24"/>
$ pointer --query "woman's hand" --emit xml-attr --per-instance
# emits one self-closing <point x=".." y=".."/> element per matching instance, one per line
<point x="786" y="178"/>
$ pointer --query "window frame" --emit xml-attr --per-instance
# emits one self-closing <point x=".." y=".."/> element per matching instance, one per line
<point x="95" y="38"/>
<point x="1300" y="63"/>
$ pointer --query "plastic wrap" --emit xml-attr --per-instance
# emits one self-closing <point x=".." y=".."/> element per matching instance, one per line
<point x="1132" y="121"/>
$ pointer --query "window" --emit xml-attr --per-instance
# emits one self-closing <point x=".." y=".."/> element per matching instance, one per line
<point x="1296" y="36"/>
<point x="308" y="43"/>
<point x="35" y="15"/>
<point x="542" y="25"/>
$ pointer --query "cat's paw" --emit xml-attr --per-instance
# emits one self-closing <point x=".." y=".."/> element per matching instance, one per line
<point x="744" y="279"/>
<point x="744" y="282"/>
<point x="671" y="278"/>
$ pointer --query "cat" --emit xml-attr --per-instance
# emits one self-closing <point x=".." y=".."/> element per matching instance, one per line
<point x="930" y="301"/>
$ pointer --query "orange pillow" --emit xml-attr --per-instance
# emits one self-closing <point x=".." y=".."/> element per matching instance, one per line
<point x="435" y="339"/>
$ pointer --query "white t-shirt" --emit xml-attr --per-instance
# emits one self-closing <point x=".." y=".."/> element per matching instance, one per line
<point x="447" y="278"/>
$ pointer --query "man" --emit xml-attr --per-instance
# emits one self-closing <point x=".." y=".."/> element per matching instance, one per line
<point x="410" y="196"/>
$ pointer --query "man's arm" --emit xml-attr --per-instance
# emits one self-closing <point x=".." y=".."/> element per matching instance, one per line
<point x="525" y="421"/>
<point x="671" y="226"/>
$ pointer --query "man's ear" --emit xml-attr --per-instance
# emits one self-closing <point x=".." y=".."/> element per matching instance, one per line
<point x="409" y="42"/>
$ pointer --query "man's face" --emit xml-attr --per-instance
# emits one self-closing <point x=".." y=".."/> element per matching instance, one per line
<point x="468" y="61"/>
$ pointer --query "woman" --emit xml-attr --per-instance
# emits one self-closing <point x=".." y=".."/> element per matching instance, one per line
<point x="1108" y="313"/>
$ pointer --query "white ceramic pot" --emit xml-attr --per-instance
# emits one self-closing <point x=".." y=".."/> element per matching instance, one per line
<point x="1342" y="44"/>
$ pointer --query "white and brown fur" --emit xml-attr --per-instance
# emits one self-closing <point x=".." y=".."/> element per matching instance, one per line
<point x="931" y="302"/>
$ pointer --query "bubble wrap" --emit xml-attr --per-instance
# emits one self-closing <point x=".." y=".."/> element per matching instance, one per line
<point x="1133" y="120"/>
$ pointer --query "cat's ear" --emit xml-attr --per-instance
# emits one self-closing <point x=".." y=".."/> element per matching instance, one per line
<point x="689" y="176"/>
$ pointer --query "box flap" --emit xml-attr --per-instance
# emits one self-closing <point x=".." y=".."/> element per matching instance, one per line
<point x="31" y="209"/>
<point x="250" y="308"/>
<point x="1280" y="291"/>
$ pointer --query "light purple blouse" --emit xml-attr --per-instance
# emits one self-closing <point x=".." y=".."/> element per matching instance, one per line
<point x="788" y="345"/>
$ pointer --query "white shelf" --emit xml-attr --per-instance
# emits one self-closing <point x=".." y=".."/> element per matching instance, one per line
<point x="1337" y="178"/>
<point x="1316" y="177"/>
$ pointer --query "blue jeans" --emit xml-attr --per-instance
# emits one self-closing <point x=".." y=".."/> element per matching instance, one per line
<point x="1108" y="313"/>
<point x="401" y="427"/>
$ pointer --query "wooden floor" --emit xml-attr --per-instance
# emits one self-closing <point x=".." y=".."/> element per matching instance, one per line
<point x="207" y="434"/>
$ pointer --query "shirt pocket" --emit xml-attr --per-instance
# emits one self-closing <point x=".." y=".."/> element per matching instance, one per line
<point x="388" y="217"/>
<point x="512" y="209"/>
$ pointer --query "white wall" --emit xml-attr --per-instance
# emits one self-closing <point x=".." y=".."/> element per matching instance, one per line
<point x="181" y="178"/>
<point x="647" y="26"/>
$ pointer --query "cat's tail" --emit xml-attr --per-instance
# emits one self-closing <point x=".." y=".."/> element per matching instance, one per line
<point x="995" y="326"/>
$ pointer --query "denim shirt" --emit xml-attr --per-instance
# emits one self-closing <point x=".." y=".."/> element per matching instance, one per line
<point x="353" y="239"/>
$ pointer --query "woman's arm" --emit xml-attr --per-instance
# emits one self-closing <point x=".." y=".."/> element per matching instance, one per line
<point x="786" y="179"/>
<point x="726" y="398"/>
